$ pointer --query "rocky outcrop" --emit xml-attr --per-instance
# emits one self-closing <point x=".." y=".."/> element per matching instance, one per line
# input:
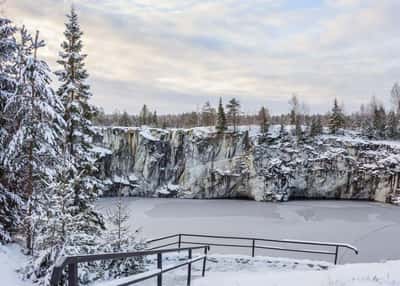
<point x="198" y="163"/>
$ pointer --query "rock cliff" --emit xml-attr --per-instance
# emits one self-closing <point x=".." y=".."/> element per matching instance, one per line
<point x="198" y="163"/>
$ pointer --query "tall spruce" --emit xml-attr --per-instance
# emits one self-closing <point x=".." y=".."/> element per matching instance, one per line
<point x="221" y="118"/>
<point x="233" y="108"/>
<point x="33" y="151"/>
<point x="264" y="120"/>
<point x="10" y="199"/>
<point x="75" y="95"/>
<point x="337" y="118"/>
<point x="392" y="125"/>
<point x="316" y="126"/>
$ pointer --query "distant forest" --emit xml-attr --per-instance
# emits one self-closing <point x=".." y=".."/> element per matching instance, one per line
<point x="373" y="120"/>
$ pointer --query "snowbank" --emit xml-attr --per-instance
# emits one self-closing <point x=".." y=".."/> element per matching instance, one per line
<point x="11" y="259"/>
<point x="383" y="274"/>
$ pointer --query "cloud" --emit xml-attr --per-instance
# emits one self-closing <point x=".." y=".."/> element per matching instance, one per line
<point x="173" y="55"/>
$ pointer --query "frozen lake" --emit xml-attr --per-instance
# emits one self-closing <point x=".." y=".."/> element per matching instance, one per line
<point x="374" y="228"/>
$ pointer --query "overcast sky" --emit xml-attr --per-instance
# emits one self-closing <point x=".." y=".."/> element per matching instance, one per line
<point x="174" y="55"/>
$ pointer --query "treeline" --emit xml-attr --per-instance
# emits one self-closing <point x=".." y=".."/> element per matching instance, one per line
<point x="47" y="170"/>
<point x="373" y="120"/>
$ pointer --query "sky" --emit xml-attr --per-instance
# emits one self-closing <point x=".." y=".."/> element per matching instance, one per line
<point x="174" y="55"/>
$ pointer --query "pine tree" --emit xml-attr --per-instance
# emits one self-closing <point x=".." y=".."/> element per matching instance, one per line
<point x="337" y="118"/>
<point x="10" y="200"/>
<point x="35" y="146"/>
<point x="392" y="126"/>
<point x="154" y="119"/>
<point x="144" y="115"/>
<point x="233" y="107"/>
<point x="75" y="94"/>
<point x="316" y="126"/>
<point x="221" y="118"/>
<point x="125" y="120"/>
<point x="264" y="120"/>
<point x="379" y="120"/>
<point x="395" y="97"/>
<point x="295" y="110"/>
<point x="207" y="114"/>
<point x="120" y="238"/>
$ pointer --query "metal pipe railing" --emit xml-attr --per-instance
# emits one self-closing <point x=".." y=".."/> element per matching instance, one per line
<point x="70" y="264"/>
<point x="181" y="240"/>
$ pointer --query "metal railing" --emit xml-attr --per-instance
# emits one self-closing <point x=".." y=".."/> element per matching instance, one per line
<point x="70" y="263"/>
<point x="254" y="243"/>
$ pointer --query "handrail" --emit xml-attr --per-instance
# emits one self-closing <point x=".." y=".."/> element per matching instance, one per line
<point x="254" y="246"/>
<point x="71" y="262"/>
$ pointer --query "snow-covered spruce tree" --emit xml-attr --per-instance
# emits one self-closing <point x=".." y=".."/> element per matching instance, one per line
<point x="221" y="118"/>
<point x="86" y="224"/>
<point x="392" y="125"/>
<point x="233" y="108"/>
<point x="379" y="120"/>
<point x="337" y="118"/>
<point x="316" y="126"/>
<point x="33" y="151"/>
<point x="10" y="200"/>
<point x="263" y="117"/>
<point x="120" y="238"/>
<point x="207" y="114"/>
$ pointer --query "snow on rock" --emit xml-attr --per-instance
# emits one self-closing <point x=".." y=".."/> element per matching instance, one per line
<point x="199" y="163"/>
<point x="11" y="259"/>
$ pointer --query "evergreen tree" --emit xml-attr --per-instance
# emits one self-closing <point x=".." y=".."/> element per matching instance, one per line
<point x="264" y="120"/>
<point x="395" y="97"/>
<point x="221" y="118"/>
<point x="86" y="224"/>
<point x="337" y="119"/>
<point x="125" y="119"/>
<point x="295" y="110"/>
<point x="10" y="200"/>
<point x="316" y="126"/>
<point x="379" y="120"/>
<point x="35" y="146"/>
<point x="154" y="119"/>
<point x="207" y="114"/>
<point x="298" y="129"/>
<point x="144" y="115"/>
<point x="233" y="107"/>
<point x="392" y="125"/>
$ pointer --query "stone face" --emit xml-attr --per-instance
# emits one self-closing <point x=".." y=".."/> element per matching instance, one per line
<point x="197" y="163"/>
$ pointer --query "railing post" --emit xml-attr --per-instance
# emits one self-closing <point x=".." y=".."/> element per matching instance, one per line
<point x="189" y="277"/>
<point x="159" y="266"/>
<point x="253" y="248"/>
<point x="179" y="240"/>
<point x="204" y="261"/>
<point x="73" y="274"/>
<point x="336" y="253"/>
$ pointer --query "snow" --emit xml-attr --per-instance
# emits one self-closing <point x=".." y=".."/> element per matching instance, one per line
<point x="11" y="259"/>
<point x="383" y="274"/>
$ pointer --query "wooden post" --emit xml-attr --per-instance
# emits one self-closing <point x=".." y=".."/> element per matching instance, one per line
<point x="73" y="274"/>
<point x="159" y="266"/>
<point x="189" y="268"/>
<point x="253" y="248"/>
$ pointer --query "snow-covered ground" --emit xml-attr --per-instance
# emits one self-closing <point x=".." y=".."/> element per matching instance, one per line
<point x="11" y="259"/>
<point x="374" y="228"/>
<point x="368" y="274"/>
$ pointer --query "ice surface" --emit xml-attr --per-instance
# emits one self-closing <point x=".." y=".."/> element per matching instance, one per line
<point x="374" y="228"/>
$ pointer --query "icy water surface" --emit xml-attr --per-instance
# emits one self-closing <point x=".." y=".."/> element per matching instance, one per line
<point x="374" y="228"/>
